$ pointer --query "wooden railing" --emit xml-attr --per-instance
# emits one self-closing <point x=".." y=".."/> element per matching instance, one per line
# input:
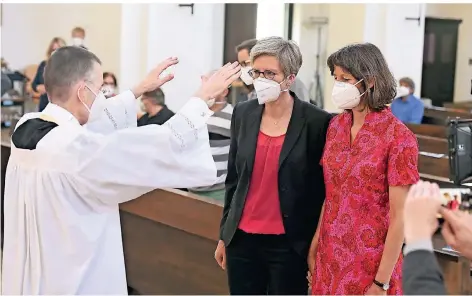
<point x="169" y="238"/>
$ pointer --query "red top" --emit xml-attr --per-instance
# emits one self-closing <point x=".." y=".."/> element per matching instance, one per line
<point x="356" y="215"/>
<point x="261" y="213"/>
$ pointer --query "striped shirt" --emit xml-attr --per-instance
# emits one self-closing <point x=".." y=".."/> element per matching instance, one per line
<point x="219" y="125"/>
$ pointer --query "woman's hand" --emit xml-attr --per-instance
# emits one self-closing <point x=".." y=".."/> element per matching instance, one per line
<point x="220" y="254"/>
<point x="41" y="89"/>
<point x="311" y="263"/>
<point x="375" y="290"/>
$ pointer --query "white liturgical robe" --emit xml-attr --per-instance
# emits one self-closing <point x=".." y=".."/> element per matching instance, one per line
<point x="62" y="224"/>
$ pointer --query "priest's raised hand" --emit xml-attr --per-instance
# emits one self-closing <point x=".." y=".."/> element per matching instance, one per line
<point x="64" y="182"/>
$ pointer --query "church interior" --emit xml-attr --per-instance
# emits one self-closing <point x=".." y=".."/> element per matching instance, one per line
<point x="169" y="235"/>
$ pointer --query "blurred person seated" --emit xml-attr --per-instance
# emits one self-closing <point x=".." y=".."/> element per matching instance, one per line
<point x="6" y="82"/>
<point x="30" y="73"/>
<point x="38" y="82"/>
<point x="243" y="50"/>
<point x="155" y="108"/>
<point x="407" y="107"/>
<point x="219" y="125"/>
<point x="110" y="85"/>
<point x="78" y="37"/>
<point x="421" y="272"/>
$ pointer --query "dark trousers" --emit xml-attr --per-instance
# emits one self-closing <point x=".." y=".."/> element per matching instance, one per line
<point x="262" y="264"/>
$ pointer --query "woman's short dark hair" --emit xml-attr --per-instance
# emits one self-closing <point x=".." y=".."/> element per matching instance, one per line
<point x="365" y="62"/>
<point x="109" y="74"/>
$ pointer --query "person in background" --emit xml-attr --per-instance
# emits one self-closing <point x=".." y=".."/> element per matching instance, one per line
<point x="220" y="138"/>
<point x="407" y="107"/>
<point x="78" y="37"/>
<point x="421" y="272"/>
<point x="369" y="162"/>
<point x="155" y="108"/>
<point x="110" y="85"/>
<point x="6" y="82"/>
<point x="274" y="187"/>
<point x="243" y="50"/>
<point x="38" y="82"/>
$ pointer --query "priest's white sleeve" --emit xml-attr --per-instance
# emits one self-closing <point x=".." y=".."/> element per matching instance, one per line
<point x="119" y="112"/>
<point x="130" y="162"/>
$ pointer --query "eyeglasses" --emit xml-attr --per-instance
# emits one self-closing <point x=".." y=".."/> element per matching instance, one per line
<point x="266" y="74"/>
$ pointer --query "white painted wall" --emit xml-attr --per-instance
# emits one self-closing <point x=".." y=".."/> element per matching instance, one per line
<point x="270" y="19"/>
<point x="27" y="30"/>
<point x="404" y="43"/>
<point x="400" y="41"/>
<point x="197" y="40"/>
<point x="133" y="44"/>
<point x="375" y="24"/>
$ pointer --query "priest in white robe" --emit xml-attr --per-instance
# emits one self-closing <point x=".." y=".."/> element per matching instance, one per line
<point x="64" y="182"/>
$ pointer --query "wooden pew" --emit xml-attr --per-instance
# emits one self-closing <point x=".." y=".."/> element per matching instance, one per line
<point x="169" y="239"/>
<point x="432" y="139"/>
<point x="431" y="130"/>
<point x="465" y="106"/>
<point x="439" y="115"/>
<point x="432" y="144"/>
<point x="434" y="166"/>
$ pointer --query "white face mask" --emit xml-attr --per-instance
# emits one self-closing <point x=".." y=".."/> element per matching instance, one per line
<point x="245" y="77"/>
<point x="98" y="105"/>
<point x="267" y="90"/>
<point x="403" y="91"/>
<point x="77" y="41"/>
<point x="108" y="90"/>
<point x="346" y="95"/>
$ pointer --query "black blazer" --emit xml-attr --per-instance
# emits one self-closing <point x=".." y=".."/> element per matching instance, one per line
<point x="301" y="184"/>
<point x="422" y="275"/>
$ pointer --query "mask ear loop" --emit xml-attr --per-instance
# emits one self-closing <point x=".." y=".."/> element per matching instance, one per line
<point x="288" y="86"/>
<point x="362" y="94"/>
<point x="83" y="103"/>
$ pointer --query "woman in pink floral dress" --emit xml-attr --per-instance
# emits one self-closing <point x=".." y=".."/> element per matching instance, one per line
<point x="370" y="159"/>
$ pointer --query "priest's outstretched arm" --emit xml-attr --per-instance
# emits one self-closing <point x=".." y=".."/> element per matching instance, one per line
<point x="125" y="164"/>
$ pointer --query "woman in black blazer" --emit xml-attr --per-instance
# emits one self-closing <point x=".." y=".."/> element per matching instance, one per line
<point x="274" y="188"/>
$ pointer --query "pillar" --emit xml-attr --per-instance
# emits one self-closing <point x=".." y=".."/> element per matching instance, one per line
<point x="346" y="25"/>
<point x="197" y="40"/>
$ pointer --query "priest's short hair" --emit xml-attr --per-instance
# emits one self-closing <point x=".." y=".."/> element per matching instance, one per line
<point x="67" y="66"/>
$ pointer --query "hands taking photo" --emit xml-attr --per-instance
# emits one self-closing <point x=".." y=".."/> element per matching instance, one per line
<point x="422" y="205"/>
